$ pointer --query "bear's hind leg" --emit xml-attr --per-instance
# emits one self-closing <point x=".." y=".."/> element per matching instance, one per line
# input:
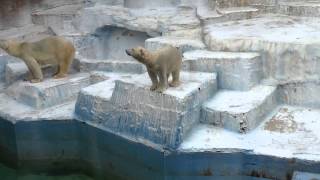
<point x="62" y="71"/>
<point x="175" y="79"/>
<point x="163" y="84"/>
<point x="64" y="65"/>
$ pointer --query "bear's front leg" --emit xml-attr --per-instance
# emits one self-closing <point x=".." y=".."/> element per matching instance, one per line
<point x="34" y="69"/>
<point x="163" y="81"/>
<point x="154" y="79"/>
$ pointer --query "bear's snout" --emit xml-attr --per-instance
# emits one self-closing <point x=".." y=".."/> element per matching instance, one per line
<point x="128" y="51"/>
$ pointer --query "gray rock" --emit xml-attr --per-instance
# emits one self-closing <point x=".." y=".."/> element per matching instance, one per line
<point x="182" y="43"/>
<point x="236" y="70"/>
<point x="240" y="111"/>
<point x="50" y="92"/>
<point x="132" y="109"/>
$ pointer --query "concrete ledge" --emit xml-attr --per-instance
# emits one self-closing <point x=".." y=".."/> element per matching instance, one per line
<point x="15" y="71"/>
<point x="136" y="111"/>
<point x="305" y="176"/>
<point x="58" y="18"/>
<point x="236" y="70"/>
<point x="49" y="92"/>
<point x="93" y="103"/>
<point x="119" y="66"/>
<point x="300" y="93"/>
<point x="288" y="54"/>
<point x="300" y="8"/>
<point x="182" y="43"/>
<point x="240" y="111"/>
<point x="27" y="33"/>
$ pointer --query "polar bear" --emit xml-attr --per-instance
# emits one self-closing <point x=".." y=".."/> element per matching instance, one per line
<point x="160" y="64"/>
<point x="52" y="50"/>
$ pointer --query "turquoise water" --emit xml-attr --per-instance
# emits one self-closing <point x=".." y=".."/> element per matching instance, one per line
<point x="12" y="174"/>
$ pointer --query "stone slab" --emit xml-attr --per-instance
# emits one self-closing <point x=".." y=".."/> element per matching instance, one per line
<point x="58" y="18"/>
<point x="300" y="8"/>
<point x="93" y="103"/>
<point x="300" y="93"/>
<point x="27" y="33"/>
<point x="15" y="71"/>
<point x="182" y="43"/>
<point x="87" y="65"/>
<point x="240" y="111"/>
<point x="50" y="92"/>
<point x="18" y="70"/>
<point x="15" y="111"/>
<point x="134" y="19"/>
<point x="288" y="132"/>
<point x="290" y="45"/>
<point x="236" y="71"/>
<point x="130" y="108"/>
<point x="297" y="175"/>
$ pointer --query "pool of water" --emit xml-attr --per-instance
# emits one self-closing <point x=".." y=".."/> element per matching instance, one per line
<point x="12" y="174"/>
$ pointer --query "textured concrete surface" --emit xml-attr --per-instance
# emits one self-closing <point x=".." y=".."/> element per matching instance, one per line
<point x="49" y="92"/>
<point x="240" y="111"/>
<point x="184" y="44"/>
<point x="123" y="128"/>
<point x="165" y="121"/>
<point x="236" y="71"/>
<point x="288" y="132"/>
<point x="305" y="176"/>
<point x="289" y="44"/>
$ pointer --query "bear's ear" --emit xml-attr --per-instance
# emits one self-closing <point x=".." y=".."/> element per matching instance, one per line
<point x="142" y="52"/>
<point x="3" y="44"/>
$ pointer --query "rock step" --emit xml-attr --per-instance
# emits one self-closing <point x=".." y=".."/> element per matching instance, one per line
<point x="27" y="33"/>
<point x="87" y="65"/>
<point x="16" y="70"/>
<point x="59" y="18"/>
<point x="240" y="111"/>
<point x="290" y="44"/>
<point x="127" y="106"/>
<point x="226" y="14"/>
<point x="182" y="43"/>
<point x="94" y="102"/>
<point x="300" y="8"/>
<point x="235" y="70"/>
<point x="297" y="175"/>
<point x="184" y="24"/>
<point x="50" y="92"/>
<point x="4" y="59"/>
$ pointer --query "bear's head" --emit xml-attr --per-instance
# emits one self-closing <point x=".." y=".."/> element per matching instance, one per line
<point x="4" y="45"/>
<point x="139" y="53"/>
<point x="10" y="46"/>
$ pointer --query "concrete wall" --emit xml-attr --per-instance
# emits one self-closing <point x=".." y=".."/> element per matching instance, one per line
<point x="17" y="13"/>
<point x="68" y="145"/>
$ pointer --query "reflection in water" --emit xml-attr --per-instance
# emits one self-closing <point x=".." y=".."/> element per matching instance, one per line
<point x="11" y="174"/>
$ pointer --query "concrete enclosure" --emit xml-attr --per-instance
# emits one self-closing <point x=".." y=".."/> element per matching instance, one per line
<point x="247" y="108"/>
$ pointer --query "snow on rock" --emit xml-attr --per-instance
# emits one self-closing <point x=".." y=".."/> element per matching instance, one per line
<point x="132" y="109"/>
<point x="290" y="132"/>
<point x="290" y="45"/>
<point x="240" y="111"/>
<point x="236" y="70"/>
<point x="50" y="92"/>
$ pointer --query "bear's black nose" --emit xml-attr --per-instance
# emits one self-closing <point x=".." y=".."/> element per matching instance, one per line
<point x="128" y="52"/>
